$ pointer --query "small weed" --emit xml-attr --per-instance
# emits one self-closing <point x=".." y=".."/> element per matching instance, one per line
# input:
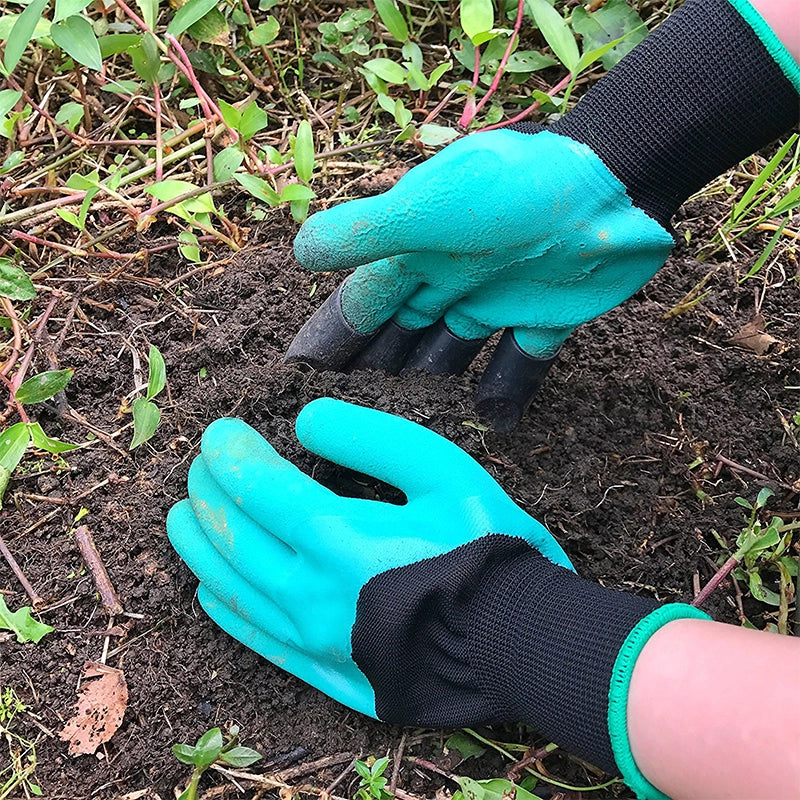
<point x="372" y="785"/>
<point x="210" y="748"/>
<point x="146" y="414"/>
<point x="22" y="752"/>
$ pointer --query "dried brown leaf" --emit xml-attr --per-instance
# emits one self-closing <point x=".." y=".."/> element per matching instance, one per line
<point x="752" y="336"/>
<point x="102" y="700"/>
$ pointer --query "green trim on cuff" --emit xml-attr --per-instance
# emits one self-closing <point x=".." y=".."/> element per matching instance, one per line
<point x="618" y="693"/>
<point x="775" y="47"/>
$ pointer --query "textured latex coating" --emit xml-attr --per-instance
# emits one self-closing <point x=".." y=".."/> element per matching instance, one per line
<point x="500" y="229"/>
<point x="281" y="559"/>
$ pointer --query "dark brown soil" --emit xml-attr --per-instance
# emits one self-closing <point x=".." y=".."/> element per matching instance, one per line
<point x="603" y="459"/>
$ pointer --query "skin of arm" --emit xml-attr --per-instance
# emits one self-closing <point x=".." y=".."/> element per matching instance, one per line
<point x="781" y="16"/>
<point x="713" y="712"/>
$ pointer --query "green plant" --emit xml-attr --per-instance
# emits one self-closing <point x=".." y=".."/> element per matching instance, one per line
<point x="22" y="760"/>
<point x="210" y="748"/>
<point x="762" y="557"/>
<point x="146" y="414"/>
<point x="372" y="785"/>
<point x="495" y="789"/>
<point x="21" y="623"/>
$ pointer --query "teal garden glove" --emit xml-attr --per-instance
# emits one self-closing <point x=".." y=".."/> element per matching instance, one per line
<point x="536" y="230"/>
<point x="454" y="608"/>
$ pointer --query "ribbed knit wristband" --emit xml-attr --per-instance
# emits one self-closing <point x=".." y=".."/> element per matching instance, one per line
<point x="494" y="632"/>
<point x="708" y="87"/>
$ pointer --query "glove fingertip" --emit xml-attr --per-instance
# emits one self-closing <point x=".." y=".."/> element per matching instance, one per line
<point x="182" y="526"/>
<point x="319" y="418"/>
<point x="231" y="440"/>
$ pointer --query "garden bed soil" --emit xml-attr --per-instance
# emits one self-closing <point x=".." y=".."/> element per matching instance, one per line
<point x="603" y="459"/>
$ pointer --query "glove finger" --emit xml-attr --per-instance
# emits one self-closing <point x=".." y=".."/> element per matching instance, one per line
<point x="509" y="383"/>
<point x="442" y="352"/>
<point x="215" y="573"/>
<point x="414" y="459"/>
<point x="269" y="488"/>
<point x="338" y="678"/>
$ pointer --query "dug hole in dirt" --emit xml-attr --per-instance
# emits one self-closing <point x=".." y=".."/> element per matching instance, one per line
<point x="602" y="459"/>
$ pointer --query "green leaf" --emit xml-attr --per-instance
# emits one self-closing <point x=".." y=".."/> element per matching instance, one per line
<point x="435" y="135"/>
<point x="467" y="746"/>
<point x="230" y="115"/>
<point x="556" y="32"/>
<point x="189" y="246"/>
<point x="240" y="756"/>
<point x="299" y="209"/>
<point x="146" y="417"/>
<point x="529" y="61"/>
<point x="66" y="8"/>
<point x="258" y="187"/>
<point x="157" y="379"/>
<point x="388" y="70"/>
<point x="146" y="58"/>
<point x="763" y="496"/>
<point x="117" y="43"/>
<point x="24" y="626"/>
<point x="8" y="99"/>
<point x="477" y="17"/>
<point x="208" y="748"/>
<point x="392" y="19"/>
<point x="69" y="217"/>
<point x="185" y="753"/>
<point x="22" y="32"/>
<point x="13" y="444"/>
<point x="14" y="282"/>
<point x="170" y="189"/>
<point x="149" y="9"/>
<point x="610" y="23"/>
<point x="212" y="28"/>
<point x="44" y="442"/>
<point x="75" y="36"/>
<point x="253" y="119"/>
<point x="13" y="161"/>
<point x="266" y="32"/>
<point x="44" y="385"/>
<point x="438" y="72"/>
<point x="304" y="151"/>
<point x="362" y="769"/>
<point x="226" y="162"/>
<point x="188" y="14"/>
<point x="296" y="191"/>
<point x="69" y="114"/>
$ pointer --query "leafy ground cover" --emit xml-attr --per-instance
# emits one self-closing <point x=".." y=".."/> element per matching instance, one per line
<point x="157" y="163"/>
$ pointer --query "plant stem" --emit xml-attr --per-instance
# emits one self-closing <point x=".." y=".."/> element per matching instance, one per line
<point x="530" y="109"/>
<point x="715" y="581"/>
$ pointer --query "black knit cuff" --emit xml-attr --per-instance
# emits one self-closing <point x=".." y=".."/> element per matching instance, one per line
<point x="697" y="96"/>
<point x="494" y="632"/>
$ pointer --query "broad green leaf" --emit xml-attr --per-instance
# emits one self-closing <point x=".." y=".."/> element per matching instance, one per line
<point x="185" y="753"/>
<point x="529" y="61"/>
<point x="412" y="52"/>
<point x="226" y="162"/>
<point x="75" y="36"/>
<point x="170" y="189"/>
<point x="14" y="282"/>
<point x="149" y="9"/>
<point x="386" y="69"/>
<point x="392" y="19"/>
<point x="212" y="28"/>
<point x="266" y="32"/>
<point x="416" y="79"/>
<point x="44" y="385"/>
<point x="13" y="444"/>
<point x="24" y="626"/>
<point x="8" y="99"/>
<point x="304" y="151"/>
<point x="612" y="22"/>
<point x="299" y="209"/>
<point x="257" y="187"/>
<point x="117" y="43"/>
<point x="296" y="191"/>
<point x="146" y="417"/>
<point x="146" y="59"/>
<point x="13" y="161"/>
<point x="253" y="120"/>
<point x="467" y="746"/>
<point x="477" y="17"/>
<point x="7" y="22"/>
<point x="402" y="116"/>
<point x="189" y="246"/>
<point x="188" y="14"/>
<point x="556" y="32"/>
<point x="70" y="114"/>
<point x="44" y="442"/>
<point x="435" y="135"/>
<point x="352" y="18"/>
<point x="157" y="379"/>
<point x="231" y="115"/>
<point x="240" y="756"/>
<point x="208" y="748"/>
<point x="493" y="789"/>
<point x="22" y="32"/>
<point x="763" y="496"/>
<point x="438" y="72"/>
<point x="69" y="217"/>
<point x="386" y="103"/>
<point x="66" y="8"/>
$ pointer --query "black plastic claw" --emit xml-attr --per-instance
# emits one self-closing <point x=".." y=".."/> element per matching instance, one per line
<point x="509" y="384"/>
<point x="327" y="340"/>
<point x="442" y="352"/>
<point x="389" y="350"/>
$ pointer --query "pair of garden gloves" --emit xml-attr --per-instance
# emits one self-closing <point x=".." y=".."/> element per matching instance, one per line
<point x="457" y="608"/>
